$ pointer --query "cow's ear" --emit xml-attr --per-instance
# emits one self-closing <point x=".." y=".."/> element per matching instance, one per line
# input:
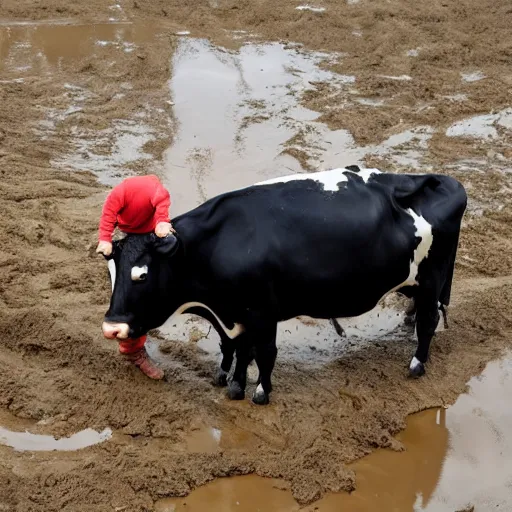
<point x="165" y="246"/>
<point x="117" y="246"/>
<point x="116" y="249"/>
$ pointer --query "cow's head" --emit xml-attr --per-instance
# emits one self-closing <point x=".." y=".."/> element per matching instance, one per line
<point x="143" y="271"/>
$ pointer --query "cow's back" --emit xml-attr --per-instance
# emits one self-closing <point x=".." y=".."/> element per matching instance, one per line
<point x="305" y="243"/>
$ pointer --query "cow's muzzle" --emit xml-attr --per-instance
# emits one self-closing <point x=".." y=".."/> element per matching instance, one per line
<point x="112" y="330"/>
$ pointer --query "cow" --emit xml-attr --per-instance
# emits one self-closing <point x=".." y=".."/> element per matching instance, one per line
<point x="328" y="244"/>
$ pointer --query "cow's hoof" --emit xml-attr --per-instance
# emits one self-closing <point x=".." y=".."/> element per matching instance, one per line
<point x="260" y="397"/>
<point x="416" y="368"/>
<point x="221" y="378"/>
<point x="235" y="392"/>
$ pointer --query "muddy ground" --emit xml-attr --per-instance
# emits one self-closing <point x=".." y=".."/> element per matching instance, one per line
<point x="56" y="367"/>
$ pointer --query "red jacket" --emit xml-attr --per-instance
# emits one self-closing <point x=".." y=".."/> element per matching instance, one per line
<point x="136" y="205"/>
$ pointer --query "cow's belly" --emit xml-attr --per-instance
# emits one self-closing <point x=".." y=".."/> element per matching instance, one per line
<point x="335" y="299"/>
<point x="346" y="272"/>
<point x="345" y="286"/>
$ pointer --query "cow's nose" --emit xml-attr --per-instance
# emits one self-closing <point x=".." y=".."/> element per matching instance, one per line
<point x="112" y="331"/>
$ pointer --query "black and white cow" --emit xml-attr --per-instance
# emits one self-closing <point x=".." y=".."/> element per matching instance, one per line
<point x="327" y="245"/>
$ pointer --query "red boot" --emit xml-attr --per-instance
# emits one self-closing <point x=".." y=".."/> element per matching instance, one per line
<point x="135" y="352"/>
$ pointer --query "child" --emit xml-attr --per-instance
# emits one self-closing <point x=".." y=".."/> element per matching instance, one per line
<point x="137" y="205"/>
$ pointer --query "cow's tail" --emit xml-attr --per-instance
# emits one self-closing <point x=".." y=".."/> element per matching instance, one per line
<point x="446" y="290"/>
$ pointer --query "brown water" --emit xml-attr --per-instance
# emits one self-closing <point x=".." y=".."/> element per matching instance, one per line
<point x="385" y="479"/>
<point x="225" y="437"/>
<point x="27" y="49"/>
<point x="453" y="458"/>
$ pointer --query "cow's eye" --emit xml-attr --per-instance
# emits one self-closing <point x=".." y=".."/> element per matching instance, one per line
<point x="139" y="273"/>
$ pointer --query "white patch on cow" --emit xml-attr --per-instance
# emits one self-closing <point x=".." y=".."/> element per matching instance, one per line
<point x="423" y="230"/>
<point x="112" y="270"/>
<point x="329" y="179"/>
<point x="137" y="272"/>
<point x="415" y="362"/>
<point x="364" y="173"/>
<point x="230" y="333"/>
<point x="259" y="391"/>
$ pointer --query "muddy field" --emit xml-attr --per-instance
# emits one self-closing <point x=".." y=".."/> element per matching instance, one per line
<point x="109" y="89"/>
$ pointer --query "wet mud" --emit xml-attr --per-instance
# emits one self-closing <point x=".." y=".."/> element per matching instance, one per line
<point x="387" y="480"/>
<point x="442" y="449"/>
<point x="213" y="96"/>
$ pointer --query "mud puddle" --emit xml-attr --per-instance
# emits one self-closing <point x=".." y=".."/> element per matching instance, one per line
<point x="239" y="120"/>
<point x="454" y="458"/>
<point x="43" y="48"/>
<point x="224" y="436"/>
<point x="235" y="110"/>
<point x="482" y="127"/>
<point x="12" y="435"/>
<point x="38" y="50"/>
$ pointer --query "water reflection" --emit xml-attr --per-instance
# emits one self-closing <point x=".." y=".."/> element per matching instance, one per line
<point x="478" y="467"/>
<point x="235" y="111"/>
<point x="398" y="481"/>
<point x="14" y="433"/>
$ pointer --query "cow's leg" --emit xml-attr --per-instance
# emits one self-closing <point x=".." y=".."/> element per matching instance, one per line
<point x="227" y="347"/>
<point x="244" y="355"/>
<point x="266" y="353"/>
<point x="427" y="318"/>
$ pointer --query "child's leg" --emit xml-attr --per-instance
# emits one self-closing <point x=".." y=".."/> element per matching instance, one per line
<point x="135" y="352"/>
<point x="131" y="346"/>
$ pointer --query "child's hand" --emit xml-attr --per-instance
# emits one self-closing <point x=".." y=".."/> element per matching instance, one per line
<point x="163" y="229"/>
<point x="104" y="248"/>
